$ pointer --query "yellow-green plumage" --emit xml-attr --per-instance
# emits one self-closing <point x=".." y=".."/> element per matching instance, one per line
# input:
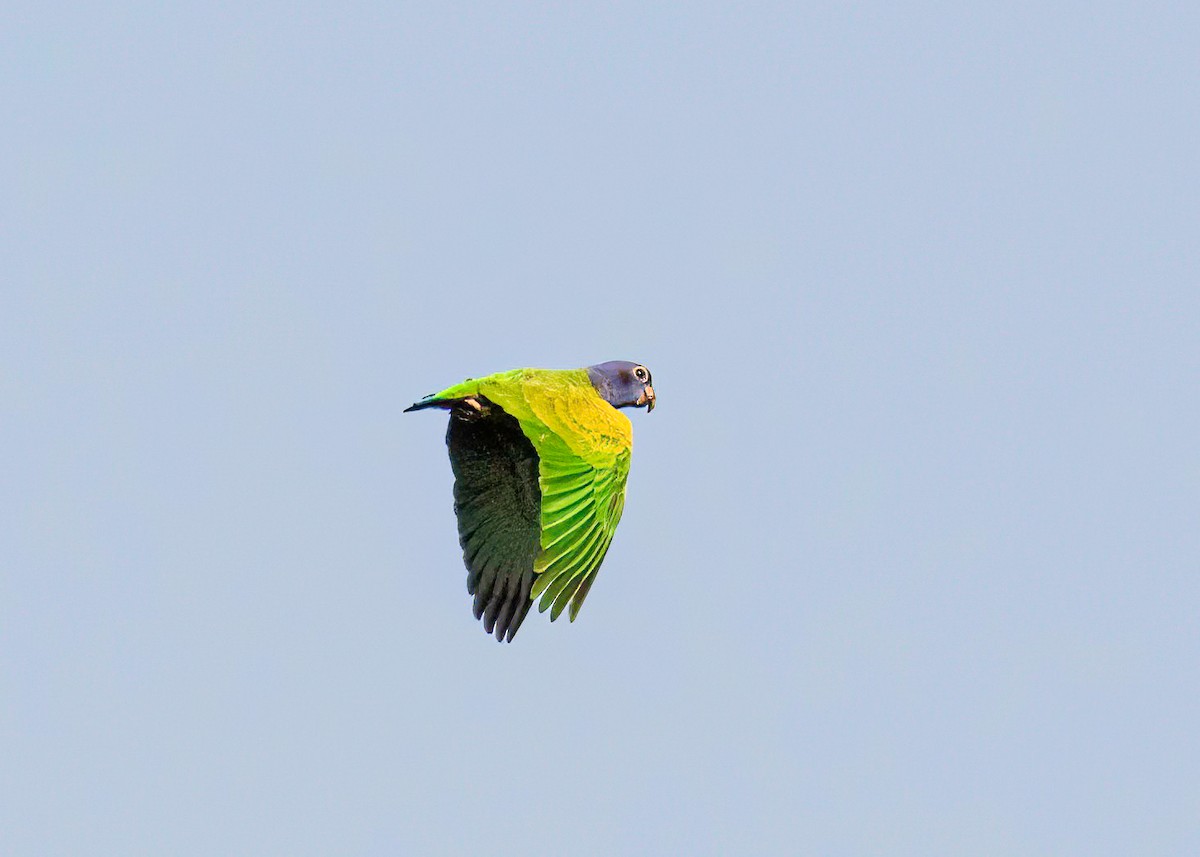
<point x="582" y="445"/>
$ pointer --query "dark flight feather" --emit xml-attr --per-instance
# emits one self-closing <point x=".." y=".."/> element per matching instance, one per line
<point x="498" y="505"/>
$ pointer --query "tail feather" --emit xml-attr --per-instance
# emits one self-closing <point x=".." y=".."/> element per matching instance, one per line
<point x="430" y="402"/>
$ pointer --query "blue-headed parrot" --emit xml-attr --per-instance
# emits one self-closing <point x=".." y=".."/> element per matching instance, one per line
<point x="540" y="458"/>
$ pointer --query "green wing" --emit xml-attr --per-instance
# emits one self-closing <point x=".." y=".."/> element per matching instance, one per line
<point x="581" y="506"/>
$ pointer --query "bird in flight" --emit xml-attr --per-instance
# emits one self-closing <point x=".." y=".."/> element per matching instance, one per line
<point x="540" y="458"/>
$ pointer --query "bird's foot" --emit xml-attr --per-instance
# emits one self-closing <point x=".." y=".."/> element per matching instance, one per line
<point x="470" y="409"/>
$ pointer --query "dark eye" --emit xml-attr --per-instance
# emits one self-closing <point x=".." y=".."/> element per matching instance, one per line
<point x="641" y="374"/>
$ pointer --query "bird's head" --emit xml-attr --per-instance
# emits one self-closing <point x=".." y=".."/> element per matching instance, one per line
<point x="623" y="384"/>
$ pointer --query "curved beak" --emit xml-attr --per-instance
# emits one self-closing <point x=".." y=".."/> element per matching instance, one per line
<point x="647" y="399"/>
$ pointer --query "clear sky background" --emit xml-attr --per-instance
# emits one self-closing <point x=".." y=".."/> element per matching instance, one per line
<point x="910" y="561"/>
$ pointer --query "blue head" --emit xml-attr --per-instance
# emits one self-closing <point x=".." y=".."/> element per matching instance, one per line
<point x="623" y="384"/>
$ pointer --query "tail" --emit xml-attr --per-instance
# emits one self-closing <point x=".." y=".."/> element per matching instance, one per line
<point x="430" y="402"/>
<point x="448" y="397"/>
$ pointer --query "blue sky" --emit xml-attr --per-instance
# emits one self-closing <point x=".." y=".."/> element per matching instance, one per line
<point x="909" y="561"/>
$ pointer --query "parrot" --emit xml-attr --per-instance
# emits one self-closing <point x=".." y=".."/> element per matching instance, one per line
<point x="540" y="459"/>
